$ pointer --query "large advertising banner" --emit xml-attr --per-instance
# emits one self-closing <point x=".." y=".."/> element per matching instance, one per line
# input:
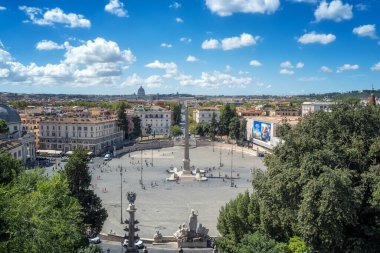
<point x="261" y="131"/>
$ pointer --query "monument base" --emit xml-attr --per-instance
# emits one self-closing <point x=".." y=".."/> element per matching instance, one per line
<point x="185" y="244"/>
<point x="132" y="250"/>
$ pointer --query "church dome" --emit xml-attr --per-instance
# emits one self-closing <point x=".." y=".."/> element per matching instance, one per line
<point x="9" y="114"/>
<point x="141" y="93"/>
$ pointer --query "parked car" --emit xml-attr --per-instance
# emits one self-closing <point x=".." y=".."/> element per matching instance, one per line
<point x="138" y="243"/>
<point x="107" y="157"/>
<point x="94" y="240"/>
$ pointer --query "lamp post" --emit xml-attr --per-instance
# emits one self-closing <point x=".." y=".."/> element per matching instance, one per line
<point x="232" y="155"/>
<point x="121" y="194"/>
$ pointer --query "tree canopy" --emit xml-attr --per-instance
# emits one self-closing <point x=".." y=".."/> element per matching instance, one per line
<point x="3" y="127"/>
<point x="175" y="130"/>
<point x="322" y="184"/>
<point x="122" y="121"/>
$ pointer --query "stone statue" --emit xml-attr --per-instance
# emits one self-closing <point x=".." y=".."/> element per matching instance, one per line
<point x="131" y="196"/>
<point x="157" y="237"/>
<point x="202" y="231"/>
<point x="193" y="221"/>
<point x="181" y="232"/>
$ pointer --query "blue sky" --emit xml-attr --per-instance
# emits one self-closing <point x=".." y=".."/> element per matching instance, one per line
<point x="214" y="47"/>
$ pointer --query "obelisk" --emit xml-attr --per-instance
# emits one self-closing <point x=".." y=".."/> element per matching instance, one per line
<point x="186" y="159"/>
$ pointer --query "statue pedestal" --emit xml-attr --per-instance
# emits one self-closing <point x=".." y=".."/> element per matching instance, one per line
<point x="186" y="167"/>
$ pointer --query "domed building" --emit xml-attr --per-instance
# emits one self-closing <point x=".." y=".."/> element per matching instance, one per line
<point x="13" y="120"/>
<point x="141" y="93"/>
<point x="20" y="145"/>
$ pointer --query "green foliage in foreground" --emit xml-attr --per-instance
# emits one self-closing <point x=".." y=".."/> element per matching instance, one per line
<point x="321" y="190"/>
<point x="39" y="215"/>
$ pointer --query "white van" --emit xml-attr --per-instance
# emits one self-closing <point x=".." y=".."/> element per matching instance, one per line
<point x="107" y="157"/>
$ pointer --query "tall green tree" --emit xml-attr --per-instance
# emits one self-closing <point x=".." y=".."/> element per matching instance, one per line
<point x="213" y="126"/>
<point x="40" y="215"/>
<point x="227" y="113"/>
<point x="202" y="128"/>
<point x="136" y="127"/>
<point x="122" y="121"/>
<point x="10" y="167"/>
<point x="243" y="130"/>
<point x="175" y="131"/>
<point x="234" y="128"/>
<point x="3" y="127"/>
<point x="79" y="180"/>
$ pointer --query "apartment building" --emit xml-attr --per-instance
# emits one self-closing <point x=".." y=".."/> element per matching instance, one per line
<point x="157" y="118"/>
<point x="308" y="107"/>
<point x="204" y="114"/>
<point x="67" y="133"/>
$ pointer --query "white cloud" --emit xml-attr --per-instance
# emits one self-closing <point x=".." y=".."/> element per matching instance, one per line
<point x="175" y="5"/>
<point x="347" y="67"/>
<point x="210" y="44"/>
<point x="166" y="45"/>
<point x="215" y="80"/>
<point x="361" y="7"/>
<point x="191" y="58"/>
<point x="244" y="40"/>
<point x="170" y="67"/>
<point x="97" y="62"/>
<point x="310" y="79"/>
<point x="2" y="8"/>
<point x="228" y="68"/>
<point x="325" y="69"/>
<point x="335" y="10"/>
<point x="132" y="80"/>
<point x="365" y="31"/>
<point x="255" y="63"/>
<point x="300" y="65"/>
<point x="154" y="81"/>
<point x="55" y="16"/>
<point x="50" y="45"/>
<point x="179" y="20"/>
<point x="227" y="8"/>
<point x="376" y="67"/>
<point x="185" y="40"/>
<point x="286" y="65"/>
<point x="116" y="7"/>
<point x="98" y="51"/>
<point x="241" y="72"/>
<point x="286" y="72"/>
<point x="304" y="1"/>
<point x="313" y="37"/>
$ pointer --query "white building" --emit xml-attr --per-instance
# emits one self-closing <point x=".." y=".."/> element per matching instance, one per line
<point x="204" y="114"/>
<point x="14" y="148"/>
<point x="156" y="118"/>
<point x="308" y="107"/>
<point x="65" y="134"/>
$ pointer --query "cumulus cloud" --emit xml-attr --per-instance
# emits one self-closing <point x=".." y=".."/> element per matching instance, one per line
<point x="169" y="67"/>
<point x="304" y="1"/>
<point x="313" y="37"/>
<point x="97" y="62"/>
<point x="166" y="45"/>
<point x="361" y="7"/>
<point x="215" y="80"/>
<point x="286" y="72"/>
<point x="191" y="58"/>
<point x="227" y="8"/>
<point x="286" y="65"/>
<point x="376" y="67"/>
<point x="179" y="20"/>
<point x="175" y="5"/>
<point x="325" y="69"/>
<point x="50" y="45"/>
<point x="347" y="67"/>
<point x="300" y="65"/>
<point x="335" y="10"/>
<point x="185" y="40"/>
<point x="255" y="63"/>
<point x="116" y="7"/>
<point x="55" y="16"/>
<point x="210" y="44"/>
<point x="2" y="8"/>
<point x="244" y="40"/>
<point x="365" y="31"/>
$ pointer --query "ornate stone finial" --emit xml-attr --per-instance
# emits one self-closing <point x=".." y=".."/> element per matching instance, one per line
<point x="131" y="196"/>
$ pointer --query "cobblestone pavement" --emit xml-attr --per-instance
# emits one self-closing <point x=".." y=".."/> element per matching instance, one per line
<point x="165" y="205"/>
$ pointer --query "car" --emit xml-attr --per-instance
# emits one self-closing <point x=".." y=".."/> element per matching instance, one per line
<point x="107" y="157"/>
<point x="94" y="240"/>
<point x="138" y="243"/>
<point x="64" y="159"/>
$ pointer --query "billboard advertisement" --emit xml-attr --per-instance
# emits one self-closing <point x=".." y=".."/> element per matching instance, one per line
<point x="261" y="131"/>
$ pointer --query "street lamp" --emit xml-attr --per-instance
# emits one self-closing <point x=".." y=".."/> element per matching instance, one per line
<point x="232" y="155"/>
<point x="121" y="194"/>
